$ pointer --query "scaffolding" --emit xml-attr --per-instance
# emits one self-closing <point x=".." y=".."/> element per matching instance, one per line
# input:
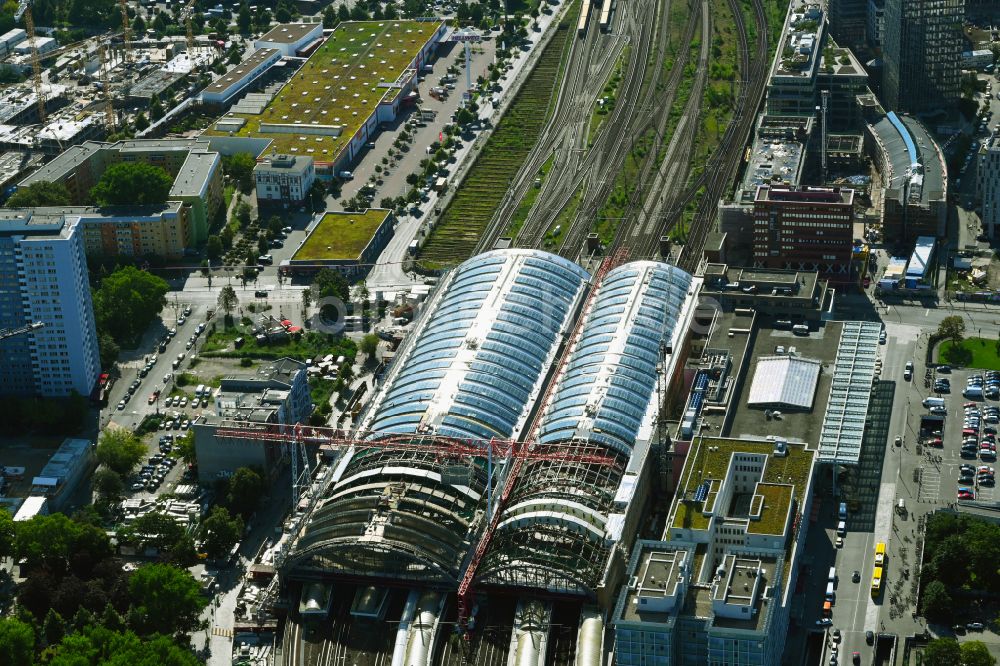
<point x="469" y="576"/>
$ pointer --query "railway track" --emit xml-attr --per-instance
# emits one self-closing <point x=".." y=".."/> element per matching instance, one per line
<point x="720" y="171"/>
<point x="587" y="66"/>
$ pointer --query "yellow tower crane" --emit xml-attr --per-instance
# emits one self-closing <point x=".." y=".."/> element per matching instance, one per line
<point x="24" y="10"/>
<point x="188" y="11"/>
<point x="126" y="31"/>
<point x="109" y="108"/>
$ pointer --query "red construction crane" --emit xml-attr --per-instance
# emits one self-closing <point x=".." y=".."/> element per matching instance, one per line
<point x="20" y="330"/>
<point x="465" y="585"/>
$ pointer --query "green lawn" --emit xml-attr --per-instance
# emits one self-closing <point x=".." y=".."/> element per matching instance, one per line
<point x="341" y="235"/>
<point x="972" y="353"/>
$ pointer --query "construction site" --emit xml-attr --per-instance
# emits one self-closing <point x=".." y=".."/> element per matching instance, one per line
<point x="488" y="500"/>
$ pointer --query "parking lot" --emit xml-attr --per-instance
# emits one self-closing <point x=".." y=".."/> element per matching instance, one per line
<point x="970" y="422"/>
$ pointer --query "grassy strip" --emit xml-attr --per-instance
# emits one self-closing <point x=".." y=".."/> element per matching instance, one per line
<point x="719" y="95"/>
<point x="553" y="236"/>
<point x="606" y="104"/>
<point x="610" y="215"/>
<point x="523" y="208"/>
<point x="456" y="234"/>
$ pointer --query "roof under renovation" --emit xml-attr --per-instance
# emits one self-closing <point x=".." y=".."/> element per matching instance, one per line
<point x="560" y="520"/>
<point x="475" y="368"/>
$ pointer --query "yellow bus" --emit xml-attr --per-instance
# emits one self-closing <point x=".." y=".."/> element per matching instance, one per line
<point x="876" y="582"/>
<point x="880" y="554"/>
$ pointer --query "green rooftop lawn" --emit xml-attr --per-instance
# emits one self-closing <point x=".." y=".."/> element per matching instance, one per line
<point x="339" y="85"/>
<point x="705" y="464"/>
<point x="341" y="235"/>
<point x="776" y="501"/>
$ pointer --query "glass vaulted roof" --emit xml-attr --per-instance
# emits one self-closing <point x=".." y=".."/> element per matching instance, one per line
<point x="476" y="363"/>
<point x="610" y="377"/>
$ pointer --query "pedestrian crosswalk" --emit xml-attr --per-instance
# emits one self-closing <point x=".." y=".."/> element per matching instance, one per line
<point x="222" y="631"/>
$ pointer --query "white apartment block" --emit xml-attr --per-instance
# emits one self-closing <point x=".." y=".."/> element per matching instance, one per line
<point x="43" y="278"/>
<point x="988" y="183"/>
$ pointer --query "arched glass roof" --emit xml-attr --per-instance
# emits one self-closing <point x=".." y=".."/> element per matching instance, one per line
<point x="477" y="361"/>
<point x="610" y="377"/>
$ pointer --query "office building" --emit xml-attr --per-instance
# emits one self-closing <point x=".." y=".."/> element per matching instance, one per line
<point x="913" y="175"/>
<point x="988" y="183"/>
<point x="848" y="19"/>
<point x="808" y="228"/>
<point x="717" y="589"/>
<point x="43" y="278"/>
<point x="284" y="179"/>
<point x="922" y="52"/>
<point x="876" y="23"/>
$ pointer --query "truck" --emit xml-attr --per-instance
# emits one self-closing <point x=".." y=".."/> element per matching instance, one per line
<point x="428" y="114"/>
<point x="933" y="402"/>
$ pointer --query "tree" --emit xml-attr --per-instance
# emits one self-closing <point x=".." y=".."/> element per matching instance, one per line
<point x="8" y="534"/>
<point x="51" y="540"/>
<point x="952" y="328"/>
<point x="17" y="642"/>
<point x="220" y="532"/>
<point x="942" y="652"/>
<point x="937" y="603"/>
<point x="107" y="646"/>
<point x="54" y="627"/>
<point x="343" y="13"/>
<point x="119" y="450"/>
<point x="141" y="122"/>
<point x="330" y="19"/>
<point x="262" y="244"/>
<point x="306" y="300"/>
<point x="107" y="349"/>
<point x="246" y="488"/>
<point x="184" y="446"/>
<point x="127" y="302"/>
<point x="244" y="20"/>
<point x="275" y="225"/>
<point x="153" y="529"/>
<point x="128" y="183"/>
<point x="228" y="300"/>
<point x="108" y="484"/>
<point x="139" y="26"/>
<point x="213" y="247"/>
<point x="331" y="283"/>
<point x="282" y="15"/>
<point x="156" y="110"/>
<point x="975" y="653"/>
<point x="41" y="193"/>
<point x="369" y="344"/>
<point x="239" y="167"/>
<point x="165" y="599"/>
<point x="243" y="213"/>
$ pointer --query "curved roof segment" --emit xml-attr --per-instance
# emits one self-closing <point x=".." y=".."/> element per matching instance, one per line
<point x="473" y="370"/>
<point x="476" y="365"/>
<point x="557" y="530"/>
<point x="605" y="389"/>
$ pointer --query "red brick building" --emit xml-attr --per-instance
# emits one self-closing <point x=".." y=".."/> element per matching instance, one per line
<point x="805" y="229"/>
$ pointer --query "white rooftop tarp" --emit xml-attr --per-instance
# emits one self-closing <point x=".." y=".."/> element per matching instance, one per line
<point x="784" y="381"/>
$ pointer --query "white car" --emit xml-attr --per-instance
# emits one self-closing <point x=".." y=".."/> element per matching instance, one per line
<point x="121" y="405"/>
